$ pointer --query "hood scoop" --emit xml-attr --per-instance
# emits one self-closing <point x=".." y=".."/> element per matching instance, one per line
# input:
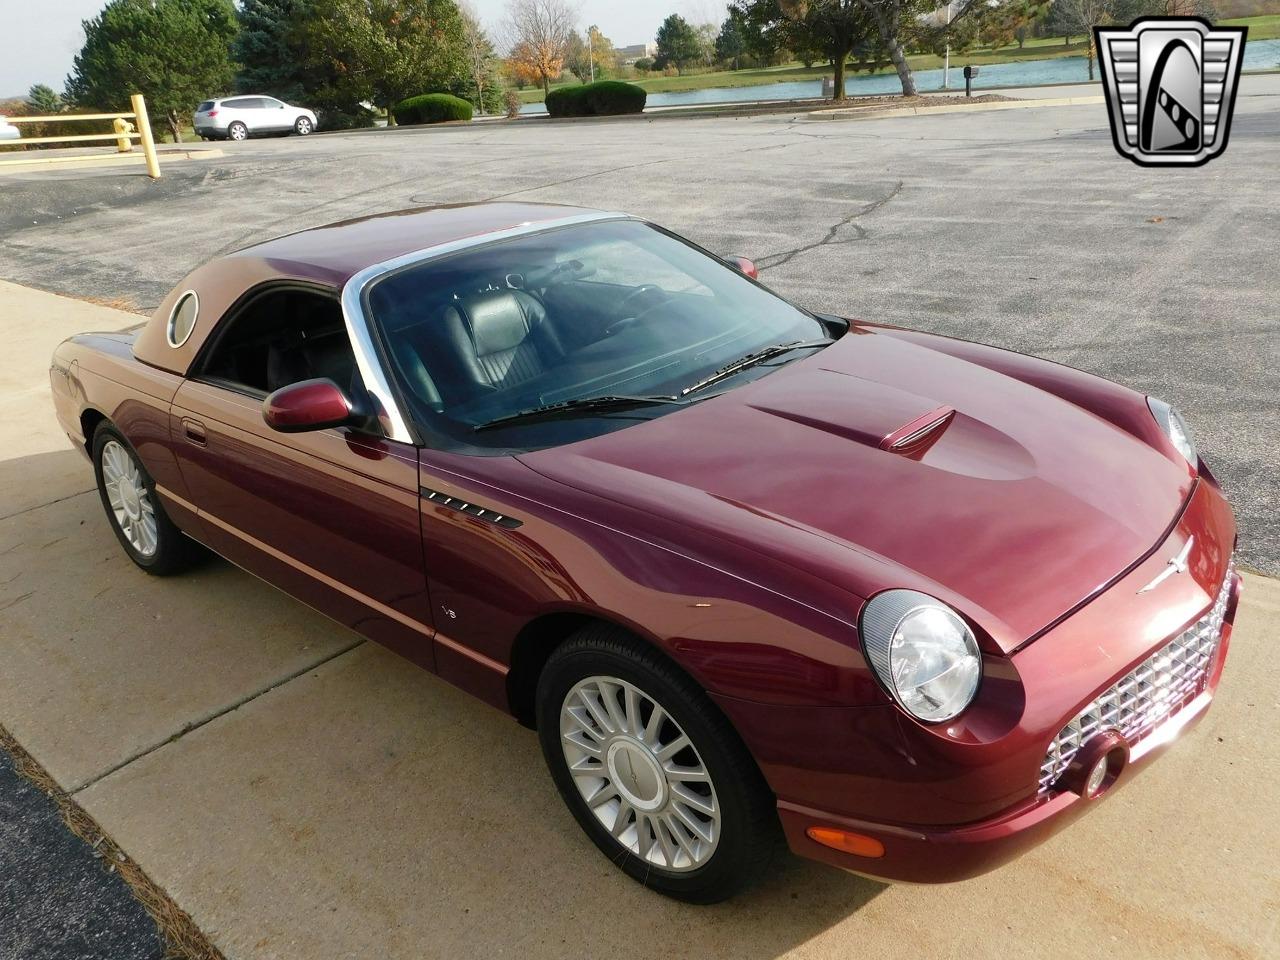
<point x="844" y="405"/>
<point x="914" y="439"/>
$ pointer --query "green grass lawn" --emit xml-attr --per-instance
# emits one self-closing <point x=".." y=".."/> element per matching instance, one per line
<point x="1260" y="28"/>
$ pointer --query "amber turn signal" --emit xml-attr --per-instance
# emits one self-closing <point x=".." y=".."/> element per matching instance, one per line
<point x="847" y="841"/>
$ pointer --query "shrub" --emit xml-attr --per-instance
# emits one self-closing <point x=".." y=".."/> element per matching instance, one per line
<point x="432" y="108"/>
<point x="601" y="99"/>
<point x="513" y="104"/>
<point x="644" y="64"/>
<point x="568" y="101"/>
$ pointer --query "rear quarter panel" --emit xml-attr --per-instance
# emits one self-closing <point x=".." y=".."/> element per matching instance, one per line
<point x="95" y="376"/>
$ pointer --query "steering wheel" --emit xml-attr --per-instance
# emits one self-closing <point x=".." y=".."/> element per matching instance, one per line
<point x="641" y="291"/>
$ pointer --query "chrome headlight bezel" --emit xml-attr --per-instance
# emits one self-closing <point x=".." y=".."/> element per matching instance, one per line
<point x="1174" y="426"/>
<point x="888" y="646"/>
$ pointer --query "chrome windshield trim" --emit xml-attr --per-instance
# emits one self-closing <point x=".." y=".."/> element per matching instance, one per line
<point x="360" y="331"/>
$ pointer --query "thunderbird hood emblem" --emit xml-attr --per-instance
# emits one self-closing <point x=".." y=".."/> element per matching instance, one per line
<point x="1175" y="565"/>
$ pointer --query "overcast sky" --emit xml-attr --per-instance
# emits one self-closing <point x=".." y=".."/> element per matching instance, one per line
<point x="50" y="33"/>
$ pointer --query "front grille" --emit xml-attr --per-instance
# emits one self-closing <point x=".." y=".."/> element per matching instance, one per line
<point x="1150" y="693"/>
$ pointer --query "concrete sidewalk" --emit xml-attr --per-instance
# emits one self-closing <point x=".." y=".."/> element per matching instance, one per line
<point x="302" y="794"/>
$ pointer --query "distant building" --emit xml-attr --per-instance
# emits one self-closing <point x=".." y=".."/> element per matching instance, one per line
<point x="637" y="51"/>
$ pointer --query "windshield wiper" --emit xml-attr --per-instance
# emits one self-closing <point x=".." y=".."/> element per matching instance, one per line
<point x="751" y="359"/>
<point x="570" y="407"/>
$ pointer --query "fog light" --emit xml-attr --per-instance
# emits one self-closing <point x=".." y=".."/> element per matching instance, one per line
<point x="1096" y="776"/>
<point x="1097" y="764"/>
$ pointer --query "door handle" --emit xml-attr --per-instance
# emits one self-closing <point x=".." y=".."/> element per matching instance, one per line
<point x="194" y="431"/>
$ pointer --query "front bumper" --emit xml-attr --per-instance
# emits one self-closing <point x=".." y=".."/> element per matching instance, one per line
<point x="948" y="802"/>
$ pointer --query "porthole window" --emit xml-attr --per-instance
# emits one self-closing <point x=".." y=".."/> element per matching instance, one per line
<point x="183" y="319"/>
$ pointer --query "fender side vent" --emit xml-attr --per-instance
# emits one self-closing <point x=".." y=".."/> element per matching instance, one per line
<point x="471" y="509"/>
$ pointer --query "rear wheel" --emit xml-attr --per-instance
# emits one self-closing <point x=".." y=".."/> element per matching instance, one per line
<point x="128" y="494"/>
<point x="302" y="126"/>
<point x="237" y="131"/>
<point x="651" y="769"/>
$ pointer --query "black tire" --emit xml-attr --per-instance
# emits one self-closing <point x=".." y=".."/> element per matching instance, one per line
<point x="303" y="126"/>
<point x="749" y="831"/>
<point x="174" y="551"/>
<point x="237" y="128"/>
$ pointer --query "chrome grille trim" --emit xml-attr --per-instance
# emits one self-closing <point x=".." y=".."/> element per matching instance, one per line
<point x="1147" y="695"/>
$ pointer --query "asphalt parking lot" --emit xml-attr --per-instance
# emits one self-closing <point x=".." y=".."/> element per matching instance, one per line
<point x="1021" y="228"/>
<point x="304" y="794"/>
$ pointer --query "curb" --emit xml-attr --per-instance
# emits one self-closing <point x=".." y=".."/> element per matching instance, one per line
<point x="108" y="159"/>
<point x="870" y="113"/>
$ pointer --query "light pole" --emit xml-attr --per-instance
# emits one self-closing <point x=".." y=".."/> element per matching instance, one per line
<point x="946" y="57"/>
<point x="591" y="55"/>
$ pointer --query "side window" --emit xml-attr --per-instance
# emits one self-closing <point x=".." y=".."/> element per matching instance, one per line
<point x="270" y="103"/>
<point x="239" y="103"/>
<point x="280" y="337"/>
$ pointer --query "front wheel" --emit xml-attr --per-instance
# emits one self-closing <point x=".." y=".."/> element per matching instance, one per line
<point x="237" y="131"/>
<point x="303" y="126"/>
<point x="650" y="768"/>
<point x="128" y="494"/>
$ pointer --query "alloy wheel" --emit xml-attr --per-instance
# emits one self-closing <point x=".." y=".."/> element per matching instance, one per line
<point x="129" y="498"/>
<point x="304" y="126"/>
<point x="238" y="131"/>
<point x="639" y="773"/>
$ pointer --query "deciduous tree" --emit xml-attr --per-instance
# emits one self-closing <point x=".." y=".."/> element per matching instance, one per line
<point x="540" y="31"/>
<point x="173" y="52"/>
<point x="592" y="56"/>
<point x="482" y="86"/>
<point x="1080" y="17"/>
<point x="387" y="50"/>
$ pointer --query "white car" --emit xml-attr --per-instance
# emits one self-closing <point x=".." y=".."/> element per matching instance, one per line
<point x="237" y="118"/>
<point x="8" y="131"/>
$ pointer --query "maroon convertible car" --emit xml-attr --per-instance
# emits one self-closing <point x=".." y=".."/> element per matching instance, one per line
<point x="914" y="602"/>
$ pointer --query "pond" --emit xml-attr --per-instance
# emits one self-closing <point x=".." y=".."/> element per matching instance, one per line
<point x="1258" y="55"/>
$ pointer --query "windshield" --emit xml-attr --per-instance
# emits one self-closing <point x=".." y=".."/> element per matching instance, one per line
<point x="614" y="308"/>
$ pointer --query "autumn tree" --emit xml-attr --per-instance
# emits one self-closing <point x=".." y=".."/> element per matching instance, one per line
<point x="173" y="52"/>
<point x="540" y="32"/>
<point x="590" y="57"/>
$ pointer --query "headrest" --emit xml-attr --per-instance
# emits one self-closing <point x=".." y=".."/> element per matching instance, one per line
<point x="497" y="319"/>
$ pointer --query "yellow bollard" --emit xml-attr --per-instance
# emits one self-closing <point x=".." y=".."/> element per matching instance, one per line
<point x="123" y="144"/>
<point x="144" y="131"/>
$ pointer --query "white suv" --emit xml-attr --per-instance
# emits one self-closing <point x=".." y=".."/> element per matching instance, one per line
<point x="235" y="118"/>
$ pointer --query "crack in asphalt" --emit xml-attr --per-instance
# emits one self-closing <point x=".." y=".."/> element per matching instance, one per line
<point x="786" y="256"/>
<point x="47" y="503"/>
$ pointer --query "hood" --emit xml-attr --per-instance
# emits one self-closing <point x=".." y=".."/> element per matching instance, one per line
<point x="882" y="463"/>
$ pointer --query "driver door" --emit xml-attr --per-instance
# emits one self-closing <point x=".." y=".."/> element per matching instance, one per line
<point x="330" y="516"/>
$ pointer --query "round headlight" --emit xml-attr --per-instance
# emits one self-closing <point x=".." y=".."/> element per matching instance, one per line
<point x="1175" y="428"/>
<point x="923" y="652"/>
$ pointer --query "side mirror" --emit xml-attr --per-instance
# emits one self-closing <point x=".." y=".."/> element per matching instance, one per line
<point x="309" y="405"/>
<point x="745" y="267"/>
